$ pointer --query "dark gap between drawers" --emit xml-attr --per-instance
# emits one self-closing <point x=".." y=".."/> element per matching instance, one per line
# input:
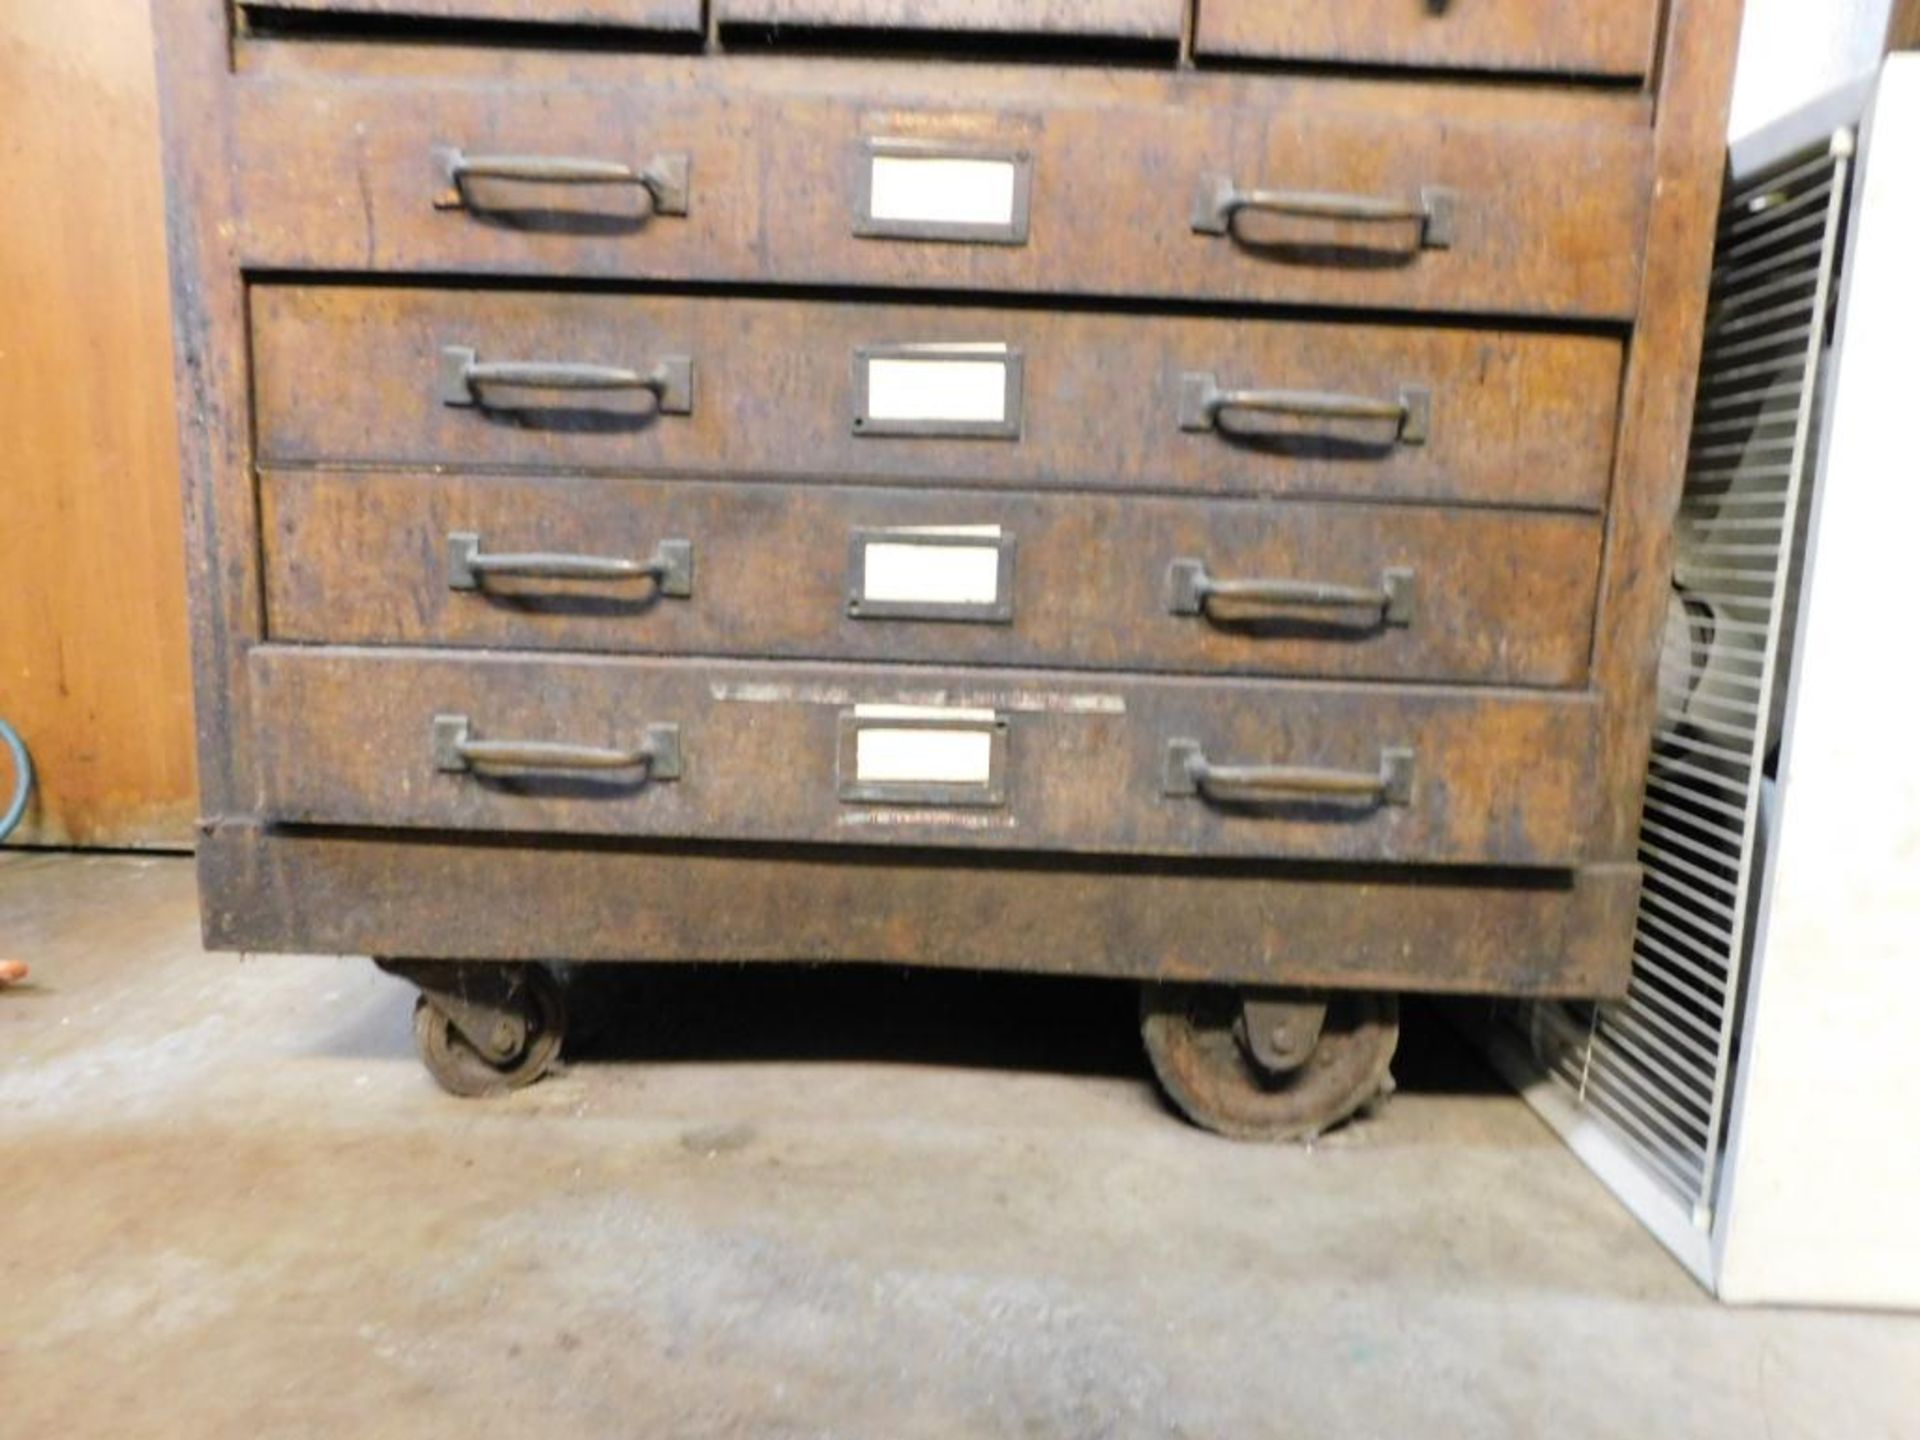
<point x="1010" y="674"/>
<point x="1490" y="689"/>
<point x="1380" y="873"/>
<point x="905" y="480"/>
<point x="272" y="22"/>
<point x="950" y="46"/>
<point x="1459" y="75"/>
<point x="1597" y="327"/>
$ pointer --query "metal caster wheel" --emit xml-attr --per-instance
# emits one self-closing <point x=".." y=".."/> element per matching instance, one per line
<point x="1269" y="1065"/>
<point x="485" y="1029"/>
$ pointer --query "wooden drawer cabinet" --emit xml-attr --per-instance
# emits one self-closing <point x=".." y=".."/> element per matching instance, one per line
<point x="1169" y="490"/>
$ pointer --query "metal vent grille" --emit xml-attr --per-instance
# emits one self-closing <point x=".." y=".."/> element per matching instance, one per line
<point x="1654" y="1070"/>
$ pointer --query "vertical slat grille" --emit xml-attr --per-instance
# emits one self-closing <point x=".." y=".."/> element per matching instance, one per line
<point x="1654" y="1070"/>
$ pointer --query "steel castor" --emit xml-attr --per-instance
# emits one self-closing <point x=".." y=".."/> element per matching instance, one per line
<point x="1269" y="1065"/>
<point x="485" y="1029"/>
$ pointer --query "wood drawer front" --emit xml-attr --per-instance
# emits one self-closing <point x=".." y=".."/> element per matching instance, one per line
<point x="680" y="17"/>
<point x="1608" y="38"/>
<point x="356" y="375"/>
<point x="768" y="753"/>
<point x="1542" y="219"/>
<point x="1012" y="579"/>
<point x="1128" y="19"/>
<point x="321" y="892"/>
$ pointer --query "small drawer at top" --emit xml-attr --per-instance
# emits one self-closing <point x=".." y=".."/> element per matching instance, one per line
<point x="1146" y="20"/>
<point x="1610" y="39"/>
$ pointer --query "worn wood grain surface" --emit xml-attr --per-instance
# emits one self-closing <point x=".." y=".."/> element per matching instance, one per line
<point x="1657" y="403"/>
<point x="353" y="374"/>
<point x="1548" y="219"/>
<point x="1339" y="926"/>
<point x="1903" y="27"/>
<point x="988" y="83"/>
<point x="346" y="738"/>
<point x="318" y="157"/>
<point x="93" y="635"/>
<point x="1574" y="37"/>
<point x="1499" y="597"/>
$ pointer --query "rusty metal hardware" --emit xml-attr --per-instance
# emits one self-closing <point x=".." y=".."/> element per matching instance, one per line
<point x="664" y="178"/>
<point x="1190" y="774"/>
<point x="1278" y="1030"/>
<point x="480" y="1000"/>
<point x="1191" y="591"/>
<point x="457" y="752"/>
<point x="670" y="568"/>
<point x="1203" y="401"/>
<point x="463" y="376"/>
<point x="1218" y="204"/>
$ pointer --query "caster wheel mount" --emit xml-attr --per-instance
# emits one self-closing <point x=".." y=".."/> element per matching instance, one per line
<point x="485" y="1029"/>
<point x="1269" y="1065"/>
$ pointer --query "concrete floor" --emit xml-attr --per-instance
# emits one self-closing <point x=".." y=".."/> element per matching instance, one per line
<point x="778" y="1204"/>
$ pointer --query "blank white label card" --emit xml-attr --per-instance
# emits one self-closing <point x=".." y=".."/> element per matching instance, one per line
<point x="942" y="190"/>
<point x="923" y="757"/>
<point x="898" y="572"/>
<point x="932" y="572"/>
<point x="945" y="390"/>
<point x="955" y="191"/>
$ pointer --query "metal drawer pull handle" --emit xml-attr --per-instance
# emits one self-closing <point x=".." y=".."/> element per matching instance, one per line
<point x="671" y="568"/>
<point x="456" y="752"/>
<point x="1203" y="402"/>
<point x="664" y="179"/>
<point x="463" y="376"/>
<point x="1219" y="203"/>
<point x="1191" y="590"/>
<point x="1190" y="773"/>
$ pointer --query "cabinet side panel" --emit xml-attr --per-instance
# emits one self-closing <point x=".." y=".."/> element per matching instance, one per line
<point x="210" y="377"/>
<point x="1690" y="141"/>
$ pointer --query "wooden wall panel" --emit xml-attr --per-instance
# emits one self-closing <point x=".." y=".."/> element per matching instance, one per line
<point x="93" y="649"/>
<point x="1903" y="31"/>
